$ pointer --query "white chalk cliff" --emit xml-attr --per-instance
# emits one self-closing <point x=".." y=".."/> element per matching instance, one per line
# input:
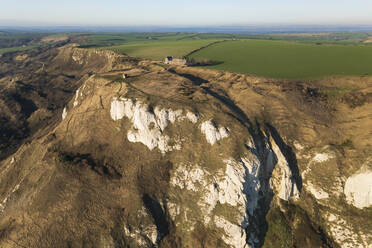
<point x="358" y="189"/>
<point x="240" y="185"/>
<point x="213" y="133"/>
<point x="287" y="187"/>
<point x="147" y="126"/>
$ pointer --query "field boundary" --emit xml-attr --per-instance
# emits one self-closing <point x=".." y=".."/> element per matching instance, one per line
<point x="206" y="46"/>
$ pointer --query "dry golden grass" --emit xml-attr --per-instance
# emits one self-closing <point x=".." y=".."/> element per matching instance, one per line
<point x="99" y="185"/>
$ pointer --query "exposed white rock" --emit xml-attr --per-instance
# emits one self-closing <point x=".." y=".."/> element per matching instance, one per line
<point x="358" y="189"/>
<point x="174" y="209"/>
<point x="232" y="187"/>
<point x="287" y="188"/>
<point x="164" y="116"/>
<point x="224" y="187"/>
<point x="146" y="234"/>
<point x="117" y="109"/>
<point x="252" y="182"/>
<point x="191" y="178"/>
<point x="332" y="218"/>
<point x="250" y="144"/>
<point x="344" y="235"/>
<point x="136" y="235"/>
<point x="192" y="117"/>
<point x="76" y="98"/>
<point x="64" y="113"/>
<point x="12" y="161"/>
<point x="298" y="146"/>
<point x="318" y="193"/>
<point x="151" y="233"/>
<point x="143" y="132"/>
<point x="212" y="133"/>
<point x="305" y="172"/>
<point x="77" y="59"/>
<point x="235" y="235"/>
<point x="239" y="185"/>
<point x="322" y="157"/>
<point x="147" y="126"/>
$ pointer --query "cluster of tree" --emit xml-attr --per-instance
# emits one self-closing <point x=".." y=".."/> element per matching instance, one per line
<point x="202" y="62"/>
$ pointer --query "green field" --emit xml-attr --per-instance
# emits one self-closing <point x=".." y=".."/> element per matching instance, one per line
<point x="292" y="56"/>
<point x="154" y="46"/>
<point x="281" y="59"/>
<point x="16" y="49"/>
<point x="158" y="50"/>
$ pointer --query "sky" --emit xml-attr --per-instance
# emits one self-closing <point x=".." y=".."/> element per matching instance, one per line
<point x="184" y="12"/>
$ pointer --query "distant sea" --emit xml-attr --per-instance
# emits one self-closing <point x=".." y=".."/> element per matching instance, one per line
<point x="249" y="29"/>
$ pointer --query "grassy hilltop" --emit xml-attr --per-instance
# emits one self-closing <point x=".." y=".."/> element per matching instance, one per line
<point x="287" y="56"/>
<point x="290" y="56"/>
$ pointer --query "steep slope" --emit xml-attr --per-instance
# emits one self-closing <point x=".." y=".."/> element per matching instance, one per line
<point x="35" y="85"/>
<point x="184" y="157"/>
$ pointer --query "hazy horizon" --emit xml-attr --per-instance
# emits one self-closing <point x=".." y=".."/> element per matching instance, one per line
<point x="249" y="29"/>
<point x="186" y="13"/>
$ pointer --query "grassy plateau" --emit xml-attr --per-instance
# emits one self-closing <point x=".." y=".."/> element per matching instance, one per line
<point x="288" y="56"/>
<point x="158" y="50"/>
<point x="292" y="60"/>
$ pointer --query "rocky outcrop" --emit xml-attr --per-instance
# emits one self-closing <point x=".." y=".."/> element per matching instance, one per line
<point x="234" y="236"/>
<point x="318" y="193"/>
<point x="358" y="189"/>
<point x="64" y="113"/>
<point x="148" y="126"/>
<point x="212" y="133"/>
<point x="283" y="180"/>
<point x="344" y="234"/>
<point x="240" y="187"/>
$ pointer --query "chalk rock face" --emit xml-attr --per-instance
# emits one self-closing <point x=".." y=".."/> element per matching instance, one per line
<point x="240" y="186"/>
<point x="189" y="179"/>
<point x="117" y="109"/>
<point x="231" y="187"/>
<point x="212" y="133"/>
<point x="358" y="189"/>
<point x="146" y="234"/>
<point x="64" y="113"/>
<point x="286" y="186"/>
<point x="344" y="235"/>
<point x="318" y="193"/>
<point x="76" y="102"/>
<point x="192" y="117"/>
<point x="147" y="126"/>
<point x="166" y="116"/>
<point x="235" y="235"/>
<point x="322" y="157"/>
<point x="228" y="187"/>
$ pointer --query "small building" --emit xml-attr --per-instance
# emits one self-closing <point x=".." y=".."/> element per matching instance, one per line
<point x="174" y="61"/>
